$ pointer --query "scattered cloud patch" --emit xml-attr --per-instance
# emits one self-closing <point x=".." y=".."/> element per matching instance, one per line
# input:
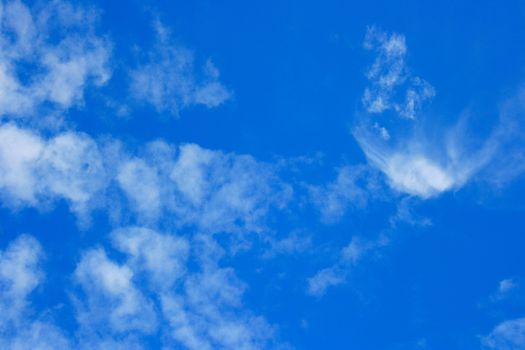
<point x="34" y="170"/>
<point x="338" y="273"/>
<point x="388" y="73"/>
<point x="188" y="185"/>
<point x="212" y="190"/>
<point x="20" y="274"/>
<point x="60" y="53"/>
<point x="169" y="81"/>
<point x="111" y="299"/>
<point x="352" y="188"/>
<point x="193" y="308"/>
<point x="508" y="335"/>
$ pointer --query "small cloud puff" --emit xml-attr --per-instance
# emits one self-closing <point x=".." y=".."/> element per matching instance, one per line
<point x="169" y="82"/>
<point x="338" y="273"/>
<point x="508" y="335"/>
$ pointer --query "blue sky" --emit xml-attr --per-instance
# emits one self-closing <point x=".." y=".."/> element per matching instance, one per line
<point x="266" y="175"/>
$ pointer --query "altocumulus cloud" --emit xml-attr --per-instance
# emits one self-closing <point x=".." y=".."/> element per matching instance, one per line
<point x="212" y="190"/>
<point x="198" y="309"/>
<point x="163" y="287"/>
<point x="58" y="44"/>
<point x="161" y="275"/>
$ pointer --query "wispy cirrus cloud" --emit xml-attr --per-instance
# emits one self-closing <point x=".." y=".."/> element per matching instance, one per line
<point x="352" y="187"/>
<point x="338" y="273"/>
<point x="417" y="155"/>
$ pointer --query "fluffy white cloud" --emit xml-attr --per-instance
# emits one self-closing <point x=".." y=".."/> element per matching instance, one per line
<point x="188" y="185"/>
<point x="34" y="170"/>
<point x="19" y="152"/>
<point x="162" y="257"/>
<point x="20" y="275"/>
<point x="111" y="297"/>
<point x="141" y="184"/>
<point x="197" y="308"/>
<point x="208" y="314"/>
<point x="59" y="51"/>
<point x="71" y="167"/>
<point x="325" y="278"/>
<point x="214" y="191"/>
<point x="508" y="335"/>
<point x="169" y="81"/>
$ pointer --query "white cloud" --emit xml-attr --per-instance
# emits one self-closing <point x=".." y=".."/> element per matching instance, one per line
<point x="169" y="81"/>
<point x="415" y="174"/>
<point x="141" y="185"/>
<point x="296" y="242"/>
<point x="211" y="190"/>
<point x="37" y="336"/>
<point x="209" y="315"/>
<point x="197" y="308"/>
<point x="351" y="189"/>
<point x="388" y="73"/>
<point x="419" y="156"/>
<point x="20" y="274"/>
<point x="163" y="257"/>
<point x="111" y="297"/>
<point x="506" y="285"/>
<point x="339" y="272"/>
<point x="506" y="144"/>
<point x="71" y="167"/>
<point x="508" y="335"/>
<point x="19" y="151"/>
<point x="506" y="288"/>
<point x="405" y="214"/>
<point x="325" y="278"/>
<point x="58" y="70"/>
<point x="34" y="170"/>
